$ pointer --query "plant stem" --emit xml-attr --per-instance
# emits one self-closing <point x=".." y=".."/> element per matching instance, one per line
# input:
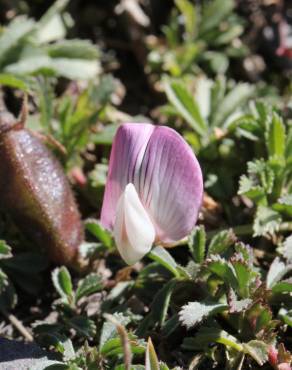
<point x="18" y="325"/>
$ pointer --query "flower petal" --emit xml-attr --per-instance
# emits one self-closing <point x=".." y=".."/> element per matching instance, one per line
<point x="170" y="184"/>
<point x="126" y="155"/>
<point x="133" y="230"/>
<point x="165" y="173"/>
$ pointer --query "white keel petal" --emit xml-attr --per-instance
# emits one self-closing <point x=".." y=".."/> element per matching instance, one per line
<point x="133" y="230"/>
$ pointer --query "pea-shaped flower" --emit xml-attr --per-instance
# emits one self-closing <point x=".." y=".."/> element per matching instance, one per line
<point x="154" y="189"/>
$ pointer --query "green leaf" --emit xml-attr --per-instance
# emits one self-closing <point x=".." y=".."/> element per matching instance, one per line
<point x="75" y="69"/>
<point x="73" y="49"/>
<point x="151" y="361"/>
<point x="229" y="35"/>
<point x="106" y="135"/>
<point x="197" y="243"/>
<point x="5" y="250"/>
<point x="276" y="137"/>
<point x="277" y="271"/>
<point x="161" y="301"/>
<point x="62" y="282"/>
<point x="246" y="252"/>
<point x="258" y="350"/>
<point x="207" y="335"/>
<point x="90" y="284"/>
<point x="224" y="270"/>
<point x="12" y="35"/>
<point x="284" y="286"/>
<point x="95" y="228"/>
<point x="194" y="312"/>
<point x="170" y="325"/>
<point x="109" y="329"/>
<point x="10" y="80"/>
<point x="235" y="98"/>
<point x="51" y="26"/>
<point x="183" y="101"/>
<point x="188" y="11"/>
<point x="213" y="13"/>
<point x="83" y="326"/>
<point x="8" y="297"/>
<point x="245" y="277"/>
<point x="161" y="256"/>
<point x="221" y="242"/>
<point x="248" y="188"/>
<point x="266" y="221"/>
<point x="217" y="61"/>
<point x="284" y="205"/>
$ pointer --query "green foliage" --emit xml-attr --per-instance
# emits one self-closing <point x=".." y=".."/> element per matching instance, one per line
<point x="221" y="297"/>
<point x="28" y="48"/>
<point x="210" y="37"/>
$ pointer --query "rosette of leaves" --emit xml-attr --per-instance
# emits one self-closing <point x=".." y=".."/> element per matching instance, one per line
<point x="207" y="35"/>
<point x="268" y="180"/>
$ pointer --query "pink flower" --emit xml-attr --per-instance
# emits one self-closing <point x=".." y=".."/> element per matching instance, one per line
<point x="154" y="189"/>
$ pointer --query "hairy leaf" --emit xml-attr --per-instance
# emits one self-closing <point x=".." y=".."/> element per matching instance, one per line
<point x="194" y="312"/>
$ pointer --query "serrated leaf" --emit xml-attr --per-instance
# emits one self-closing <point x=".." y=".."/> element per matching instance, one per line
<point x="266" y="221"/>
<point x="194" y="312"/>
<point x="90" y="284"/>
<point x="221" y="242"/>
<point x="62" y="282"/>
<point x="235" y="305"/>
<point x="224" y="270"/>
<point x="197" y="243"/>
<point x="258" y="350"/>
<point x="244" y="277"/>
<point x="276" y="137"/>
<point x="151" y="360"/>
<point x="249" y="189"/>
<point x="183" y="101"/>
<point x="246" y="251"/>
